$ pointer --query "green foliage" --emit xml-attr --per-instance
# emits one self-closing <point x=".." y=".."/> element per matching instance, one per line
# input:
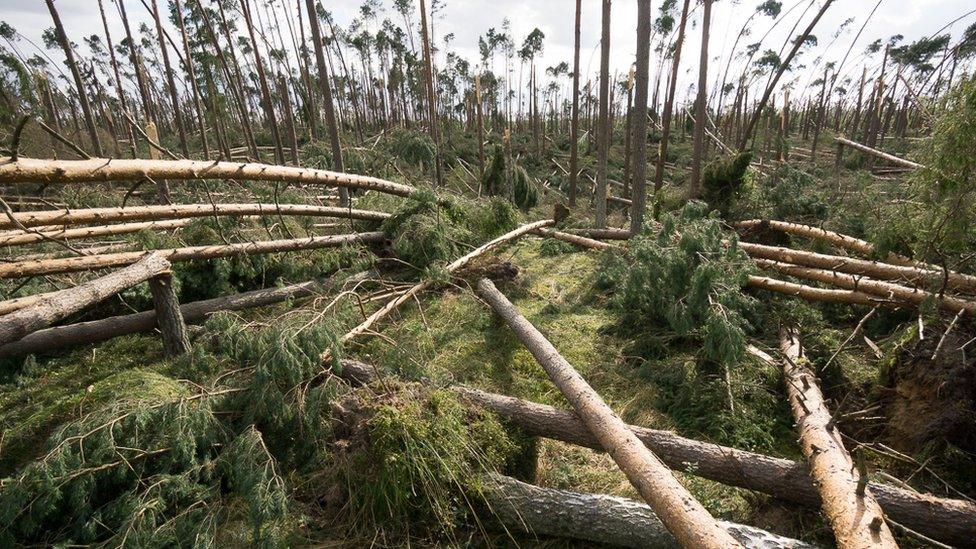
<point x="429" y="230"/>
<point x="793" y="196"/>
<point x="552" y="247"/>
<point x="413" y="457"/>
<point x="414" y="147"/>
<point x="493" y="182"/>
<point x="525" y="193"/>
<point x="723" y="179"/>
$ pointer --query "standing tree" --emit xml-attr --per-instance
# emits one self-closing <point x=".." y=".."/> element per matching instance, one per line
<point x="700" y="105"/>
<point x="640" y="120"/>
<point x="662" y="154"/>
<point x="174" y="97"/>
<point x="574" y="129"/>
<point x="266" y="101"/>
<point x="431" y="98"/>
<point x="603" y="138"/>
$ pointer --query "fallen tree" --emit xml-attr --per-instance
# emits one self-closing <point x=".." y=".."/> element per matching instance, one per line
<point x="574" y="239"/>
<point x="948" y="520"/>
<point x="598" y="518"/>
<point x="602" y="234"/>
<point x="837" y="239"/>
<point x="683" y="516"/>
<point x="21" y="238"/>
<point x="854" y="515"/>
<point x="33" y="170"/>
<point x="880" y="154"/>
<point x="817" y="294"/>
<point x="101" y="261"/>
<point x="179" y="211"/>
<point x="856" y="283"/>
<point x="59" y="305"/>
<point x="864" y="267"/>
<point x="94" y="331"/>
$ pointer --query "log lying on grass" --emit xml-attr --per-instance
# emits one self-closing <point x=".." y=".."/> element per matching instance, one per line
<point x="815" y="294"/>
<point x="57" y="306"/>
<point x="852" y="265"/>
<point x="101" y="261"/>
<point x="880" y="154"/>
<point x="33" y="170"/>
<point x="602" y="234"/>
<point x="94" y="331"/>
<point x="598" y="518"/>
<point x="574" y="239"/>
<point x="948" y="520"/>
<point x="180" y="211"/>
<point x="854" y="514"/>
<point x="20" y="238"/>
<point x="683" y="516"/>
<point x="888" y="290"/>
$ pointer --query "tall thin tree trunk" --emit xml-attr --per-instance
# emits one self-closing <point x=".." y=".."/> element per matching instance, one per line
<point x="667" y="116"/>
<point x="266" y="100"/>
<point x="431" y="97"/>
<point x="118" y="80"/>
<point x="603" y="136"/>
<point x="192" y="76"/>
<point x="76" y="75"/>
<point x="641" y="77"/>
<point x="574" y="128"/>
<point x="699" y="135"/>
<point x="170" y="81"/>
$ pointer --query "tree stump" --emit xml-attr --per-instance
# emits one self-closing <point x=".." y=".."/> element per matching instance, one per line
<point x="169" y="318"/>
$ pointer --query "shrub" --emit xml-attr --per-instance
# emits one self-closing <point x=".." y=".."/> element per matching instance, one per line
<point x="722" y="180"/>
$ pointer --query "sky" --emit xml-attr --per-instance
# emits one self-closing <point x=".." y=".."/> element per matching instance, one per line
<point x="469" y="19"/>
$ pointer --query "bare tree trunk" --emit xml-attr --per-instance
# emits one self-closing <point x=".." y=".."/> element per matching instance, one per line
<point x="192" y="77"/>
<point x="169" y="319"/>
<point x="170" y="81"/>
<point x="668" y="114"/>
<point x="76" y="75"/>
<point x="266" y="100"/>
<point x="855" y="516"/>
<point x="698" y="151"/>
<point x="683" y="516"/>
<point x="641" y="77"/>
<point x="431" y="97"/>
<point x="118" y="80"/>
<point x="21" y="238"/>
<point x="61" y="304"/>
<point x="289" y="118"/>
<point x="574" y="127"/>
<point x="603" y="128"/>
<point x="880" y="154"/>
<point x="481" y="130"/>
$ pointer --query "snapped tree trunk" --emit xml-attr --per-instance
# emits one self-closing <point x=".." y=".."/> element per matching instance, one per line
<point x="169" y="319"/>
<point x="684" y="517"/>
<point x="855" y="516"/>
<point x="61" y="304"/>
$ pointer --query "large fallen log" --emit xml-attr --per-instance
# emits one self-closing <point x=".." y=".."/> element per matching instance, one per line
<point x="602" y="234"/>
<point x="852" y="265"/>
<point x="57" y="306"/>
<point x="811" y="293"/>
<point x="574" y="239"/>
<point x="948" y="520"/>
<point x="598" y="518"/>
<point x="854" y="514"/>
<point x="832" y="237"/>
<point x="20" y="238"/>
<point x="33" y="170"/>
<point x="880" y="154"/>
<point x="856" y="283"/>
<point x="94" y="331"/>
<point x="101" y="261"/>
<point x="179" y="211"/>
<point x="683" y="516"/>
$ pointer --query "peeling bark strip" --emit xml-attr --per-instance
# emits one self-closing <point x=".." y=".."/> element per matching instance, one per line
<point x="857" y="266"/>
<point x="948" y="520"/>
<point x="880" y="154"/>
<point x="32" y="170"/>
<point x="859" y="284"/>
<point x="101" y="261"/>
<point x="684" y="517"/>
<point x="179" y="211"/>
<point x="61" y="304"/>
<point x="854" y="515"/>
<point x="600" y="518"/>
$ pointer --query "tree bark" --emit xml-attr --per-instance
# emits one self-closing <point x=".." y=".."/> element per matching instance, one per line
<point x="266" y="101"/>
<point x="180" y="211"/>
<point x="170" y="80"/>
<point x="811" y="293"/>
<point x="603" y="127"/>
<point x="684" y="517"/>
<point x="852" y="265"/>
<point x="880" y="154"/>
<point x="575" y="239"/>
<point x="61" y="304"/>
<point x="76" y="75"/>
<point x="94" y="331"/>
<point x="192" y="77"/>
<point x="169" y="319"/>
<point x="30" y="170"/>
<point x="698" y="150"/>
<point x="20" y="238"/>
<point x="668" y="111"/>
<point x="431" y="96"/>
<point x="598" y="518"/>
<point x="949" y="520"/>
<point x="574" y="127"/>
<point x="855" y="516"/>
<point x="83" y="263"/>
<point x="639" y="119"/>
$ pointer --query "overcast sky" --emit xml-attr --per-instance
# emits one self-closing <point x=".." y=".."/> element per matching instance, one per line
<point x="468" y="19"/>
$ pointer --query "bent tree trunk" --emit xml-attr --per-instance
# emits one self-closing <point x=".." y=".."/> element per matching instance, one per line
<point x="947" y="520"/>
<point x="855" y="517"/>
<point x="61" y="304"/>
<point x="684" y="517"/>
<point x="599" y="518"/>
